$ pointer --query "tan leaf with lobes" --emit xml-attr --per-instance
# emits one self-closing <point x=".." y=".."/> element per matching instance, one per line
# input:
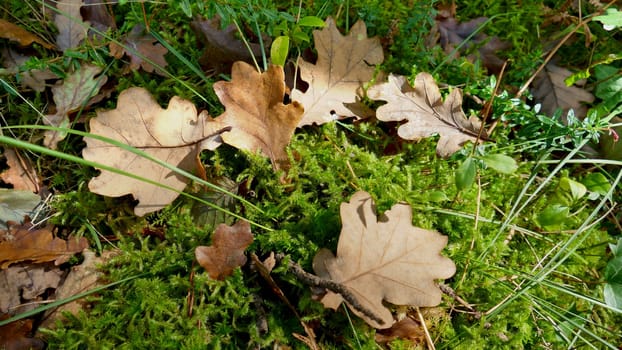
<point x="227" y="250"/>
<point x="255" y="110"/>
<point x="425" y="112"/>
<point x="385" y="258"/>
<point x="174" y="135"/>
<point x="343" y="65"/>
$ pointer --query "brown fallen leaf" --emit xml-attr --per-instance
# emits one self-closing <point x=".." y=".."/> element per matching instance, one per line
<point x="384" y="258"/>
<point x="33" y="78"/>
<point x="452" y="33"/>
<point x="343" y="65"/>
<point x="426" y="113"/>
<point x="550" y="90"/>
<point x="254" y="109"/>
<point x="21" y="174"/>
<point x="98" y="15"/>
<point x="174" y="135"/>
<point x="71" y="29"/>
<point x="16" y="336"/>
<point x="406" y="328"/>
<point x="227" y="250"/>
<point x="23" y="284"/>
<point x="143" y="50"/>
<point x="69" y="96"/>
<point x="16" y="33"/>
<point x="222" y="47"/>
<point x="81" y="278"/>
<point x="38" y="245"/>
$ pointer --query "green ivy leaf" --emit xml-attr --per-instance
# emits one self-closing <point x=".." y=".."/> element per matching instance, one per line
<point x="465" y="174"/>
<point x="501" y="163"/>
<point x="611" y="19"/>
<point x="279" y="50"/>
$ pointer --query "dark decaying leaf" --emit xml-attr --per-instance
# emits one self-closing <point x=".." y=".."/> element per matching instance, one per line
<point x="23" y="284"/>
<point x="143" y="49"/>
<point x="32" y="78"/>
<point x="227" y="250"/>
<point x="16" y="336"/>
<point x="71" y="28"/>
<point x="452" y="33"/>
<point x="97" y="13"/>
<point x="222" y="47"/>
<point x="550" y="90"/>
<point x="204" y="214"/>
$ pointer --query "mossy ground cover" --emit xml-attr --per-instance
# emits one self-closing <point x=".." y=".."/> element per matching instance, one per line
<point x="529" y="283"/>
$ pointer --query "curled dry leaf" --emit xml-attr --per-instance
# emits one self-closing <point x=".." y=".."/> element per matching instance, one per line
<point x="16" y="336"/>
<point x="69" y="96"/>
<point x="222" y="47"/>
<point x="254" y="109"/>
<point x="71" y="29"/>
<point x="550" y="89"/>
<point x="143" y="50"/>
<point x="16" y="33"/>
<point x="227" y="250"/>
<point x="343" y="65"/>
<point x="174" y="135"/>
<point x="425" y="112"/>
<point x="384" y="258"/>
<point x="22" y="244"/>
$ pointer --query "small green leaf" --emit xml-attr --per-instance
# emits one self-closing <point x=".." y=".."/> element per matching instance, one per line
<point x="553" y="216"/>
<point x="501" y="163"/>
<point x="311" y="21"/>
<point x="279" y="50"/>
<point x="301" y="36"/>
<point x="597" y="182"/>
<point x="576" y="189"/>
<point x="613" y="271"/>
<point x="465" y="174"/>
<point x="437" y="196"/>
<point x="611" y="19"/>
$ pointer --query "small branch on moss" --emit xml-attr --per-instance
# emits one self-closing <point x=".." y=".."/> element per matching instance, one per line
<point x="315" y="281"/>
<point x="452" y="293"/>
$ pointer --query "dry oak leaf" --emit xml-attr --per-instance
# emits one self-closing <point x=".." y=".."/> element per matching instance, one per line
<point x="69" y="96"/>
<point x="254" y="109"/>
<point x="22" y="244"/>
<point x="384" y="258"/>
<point x="227" y="250"/>
<point x="550" y="89"/>
<point x="21" y="173"/>
<point x="143" y="50"/>
<point x="425" y="112"/>
<point x="174" y="135"/>
<point x="16" y="33"/>
<point x="71" y="29"/>
<point x="343" y="65"/>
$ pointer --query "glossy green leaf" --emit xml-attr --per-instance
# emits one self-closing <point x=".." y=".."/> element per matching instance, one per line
<point x="576" y="189"/>
<point x="279" y="50"/>
<point x="311" y="21"/>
